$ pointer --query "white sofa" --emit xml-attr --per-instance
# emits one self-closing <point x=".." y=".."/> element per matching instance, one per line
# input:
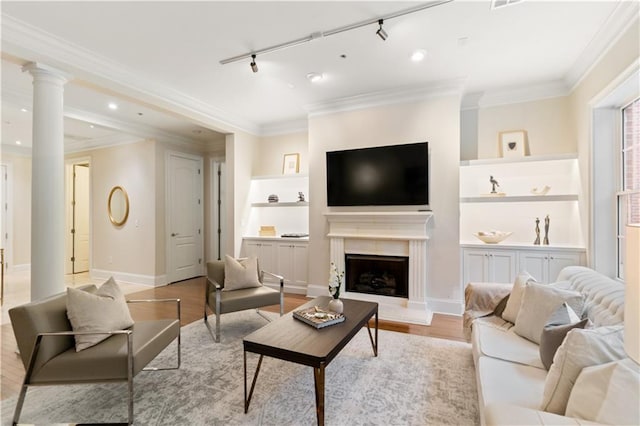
<point x="510" y="375"/>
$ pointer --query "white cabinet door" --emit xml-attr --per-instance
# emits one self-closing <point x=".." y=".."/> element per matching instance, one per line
<point x="535" y="263"/>
<point x="292" y="263"/>
<point x="558" y="260"/>
<point x="475" y="266"/>
<point x="502" y="266"/>
<point x="545" y="266"/>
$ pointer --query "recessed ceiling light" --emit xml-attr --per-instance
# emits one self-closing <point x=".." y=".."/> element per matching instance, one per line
<point x="113" y="106"/>
<point x="418" y="55"/>
<point x="24" y="110"/>
<point x="18" y="143"/>
<point x="92" y="126"/>
<point x="315" y="77"/>
<point x="291" y="86"/>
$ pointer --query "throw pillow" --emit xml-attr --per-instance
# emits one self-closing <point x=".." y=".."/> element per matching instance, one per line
<point x="104" y="310"/>
<point x="580" y="349"/>
<point x="513" y="303"/>
<point x="607" y="393"/>
<point x="240" y="273"/>
<point x="552" y="337"/>
<point x="539" y="302"/>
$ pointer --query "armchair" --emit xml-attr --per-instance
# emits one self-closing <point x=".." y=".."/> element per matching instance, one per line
<point x="222" y="302"/>
<point x="46" y="342"/>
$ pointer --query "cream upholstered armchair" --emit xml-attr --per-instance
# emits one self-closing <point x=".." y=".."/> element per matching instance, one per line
<point x="238" y="288"/>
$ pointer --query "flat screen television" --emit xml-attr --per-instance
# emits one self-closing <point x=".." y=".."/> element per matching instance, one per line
<point x="395" y="175"/>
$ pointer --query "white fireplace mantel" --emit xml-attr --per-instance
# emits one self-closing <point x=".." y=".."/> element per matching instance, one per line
<point x="386" y="233"/>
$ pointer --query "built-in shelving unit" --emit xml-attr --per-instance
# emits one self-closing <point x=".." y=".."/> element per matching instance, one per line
<point x="288" y="215"/>
<point x="516" y="211"/>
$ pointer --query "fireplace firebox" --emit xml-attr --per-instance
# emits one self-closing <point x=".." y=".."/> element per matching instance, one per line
<point x="379" y="275"/>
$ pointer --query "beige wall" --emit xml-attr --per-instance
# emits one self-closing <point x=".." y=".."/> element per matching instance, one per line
<point x="592" y="88"/>
<point x="547" y="122"/>
<point x="436" y="120"/>
<point x="20" y="167"/>
<point x="271" y="151"/>
<point x="128" y="250"/>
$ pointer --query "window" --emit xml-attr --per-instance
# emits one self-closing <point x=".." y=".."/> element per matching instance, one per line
<point x="628" y="195"/>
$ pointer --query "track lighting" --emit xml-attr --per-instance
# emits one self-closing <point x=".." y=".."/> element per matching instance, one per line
<point x="381" y="32"/>
<point x="254" y="67"/>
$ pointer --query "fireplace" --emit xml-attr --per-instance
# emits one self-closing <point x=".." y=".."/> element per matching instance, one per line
<point x="379" y="275"/>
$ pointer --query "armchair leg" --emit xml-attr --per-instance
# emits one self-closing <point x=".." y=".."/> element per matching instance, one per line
<point x="217" y="336"/>
<point x="23" y="394"/>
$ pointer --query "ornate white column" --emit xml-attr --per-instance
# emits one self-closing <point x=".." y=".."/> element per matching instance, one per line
<point x="47" y="181"/>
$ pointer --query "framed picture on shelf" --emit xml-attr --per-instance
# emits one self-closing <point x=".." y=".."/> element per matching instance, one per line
<point x="512" y="143"/>
<point x="291" y="164"/>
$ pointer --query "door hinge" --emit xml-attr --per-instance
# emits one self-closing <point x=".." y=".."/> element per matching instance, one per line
<point x="200" y="261"/>
<point x="73" y="231"/>
<point x="198" y="231"/>
<point x="198" y="171"/>
<point x="198" y="201"/>
<point x="73" y="259"/>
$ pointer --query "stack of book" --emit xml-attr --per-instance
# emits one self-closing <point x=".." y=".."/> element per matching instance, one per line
<point x="318" y="317"/>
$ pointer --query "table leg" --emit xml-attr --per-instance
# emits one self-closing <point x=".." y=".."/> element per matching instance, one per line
<point x="247" y="400"/>
<point x="318" y="378"/>
<point x="374" y="344"/>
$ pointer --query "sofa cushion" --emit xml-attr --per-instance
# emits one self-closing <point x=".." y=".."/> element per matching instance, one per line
<point x="508" y="382"/>
<point x="240" y="273"/>
<point x="103" y="311"/>
<point x="512" y="307"/>
<point x="513" y="415"/>
<point x="505" y="345"/>
<point x="539" y="303"/>
<point x="580" y="349"/>
<point x="552" y="337"/>
<point x="607" y="393"/>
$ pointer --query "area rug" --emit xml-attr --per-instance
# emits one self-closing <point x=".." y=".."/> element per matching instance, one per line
<point x="415" y="380"/>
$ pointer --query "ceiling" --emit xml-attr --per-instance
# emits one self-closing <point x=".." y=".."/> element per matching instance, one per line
<point x="160" y="61"/>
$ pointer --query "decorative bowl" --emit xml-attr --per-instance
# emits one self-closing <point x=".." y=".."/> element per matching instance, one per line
<point x="492" y="237"/>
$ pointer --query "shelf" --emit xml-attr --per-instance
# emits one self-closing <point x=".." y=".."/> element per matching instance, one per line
<point x="276" y="177"/>
<point x="522" y="246"/>
<point x="282" y="204"/>
<point x="489" y="161"/>
<point x="520" y="198"/>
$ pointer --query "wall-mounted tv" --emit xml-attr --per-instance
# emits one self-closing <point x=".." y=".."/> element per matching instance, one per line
<point x="395" y="175"/>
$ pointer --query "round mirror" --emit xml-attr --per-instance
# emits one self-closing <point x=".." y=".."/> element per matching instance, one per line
<point x="118" y="206"/>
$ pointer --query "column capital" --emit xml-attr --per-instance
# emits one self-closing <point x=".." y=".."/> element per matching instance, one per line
<point x="39" y="70"/>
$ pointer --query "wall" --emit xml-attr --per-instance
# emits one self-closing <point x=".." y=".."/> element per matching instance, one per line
<point x="20" y="167"/>
<point x="127" y="251"/>
<point x="595" y="85"/>
<point x="271" y="151"/>
<point x="547" y="122"/>
<point x="436" y="120"/>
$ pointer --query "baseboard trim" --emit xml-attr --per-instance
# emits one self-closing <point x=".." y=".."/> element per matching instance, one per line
<point x="149" y="280"/>
<point x="445" y="306"/>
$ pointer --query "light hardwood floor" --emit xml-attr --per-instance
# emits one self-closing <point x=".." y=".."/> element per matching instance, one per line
<point x="191" y="294"/>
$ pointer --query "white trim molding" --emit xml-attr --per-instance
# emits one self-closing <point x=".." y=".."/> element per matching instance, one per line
<point x="125" y="277"/>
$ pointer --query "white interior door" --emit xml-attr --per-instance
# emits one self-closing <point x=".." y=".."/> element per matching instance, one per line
<point x="80" y="233"/>
<point x="184" y="217"/>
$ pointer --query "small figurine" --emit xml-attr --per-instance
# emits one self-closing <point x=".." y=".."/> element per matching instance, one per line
<point x="537" y="241"/>
<point x="494" y="183"/>
<point x="301" y="197"/>
<point x="546" y="231"/>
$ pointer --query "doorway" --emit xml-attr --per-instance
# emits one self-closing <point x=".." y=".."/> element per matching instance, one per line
<point x="78" y="218"/>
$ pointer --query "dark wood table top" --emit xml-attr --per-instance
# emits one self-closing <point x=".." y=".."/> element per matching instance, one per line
<point x="292" y="340"/>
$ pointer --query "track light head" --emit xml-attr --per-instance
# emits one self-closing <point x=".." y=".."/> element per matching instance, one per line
<point x="254" y="66"/>
<point x="381" y="32"/>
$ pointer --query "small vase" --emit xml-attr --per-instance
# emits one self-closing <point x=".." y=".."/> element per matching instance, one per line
<point x="335" y="305"/>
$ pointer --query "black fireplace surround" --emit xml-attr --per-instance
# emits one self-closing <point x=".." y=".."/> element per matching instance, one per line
<point x="379" y="275"/>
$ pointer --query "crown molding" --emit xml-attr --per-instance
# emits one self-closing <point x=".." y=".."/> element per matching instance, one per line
<point x="32" y="44"/>
<point x="388" y="97"/>
<point x="515" y="95"/>
<point x="624" y="15"/>
<point x="288" y="127"/>
<point x="98" y="143"/>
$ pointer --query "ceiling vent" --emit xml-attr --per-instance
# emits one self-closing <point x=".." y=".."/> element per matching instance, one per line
<point x="496" y="4"/>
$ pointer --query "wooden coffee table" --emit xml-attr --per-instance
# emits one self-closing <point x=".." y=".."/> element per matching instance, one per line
<point x="292" y="340"/>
